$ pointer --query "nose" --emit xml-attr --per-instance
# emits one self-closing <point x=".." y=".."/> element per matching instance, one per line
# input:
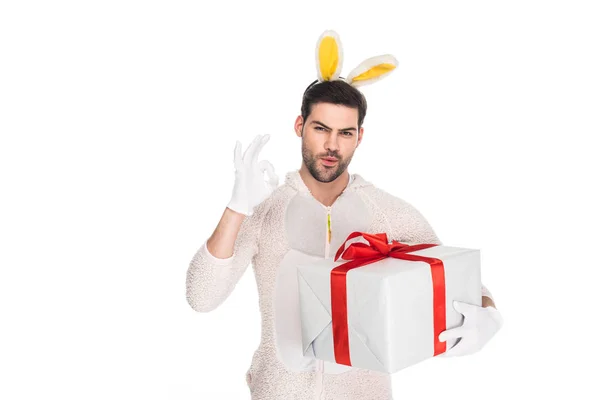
<point x="331" y="143"/>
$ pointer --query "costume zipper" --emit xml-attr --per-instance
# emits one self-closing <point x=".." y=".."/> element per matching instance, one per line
<point x="327" y="243"/>
<point x="328" y="234"/>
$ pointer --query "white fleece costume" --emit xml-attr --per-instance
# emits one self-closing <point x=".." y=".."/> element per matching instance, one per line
<point x="292" y="219"/>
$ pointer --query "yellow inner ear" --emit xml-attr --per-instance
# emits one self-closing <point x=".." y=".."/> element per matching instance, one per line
<point x="328" y="57"/>
<point x="374" y="72"/>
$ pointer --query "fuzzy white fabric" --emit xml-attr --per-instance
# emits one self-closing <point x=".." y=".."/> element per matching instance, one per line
<point x="292" y="220"/>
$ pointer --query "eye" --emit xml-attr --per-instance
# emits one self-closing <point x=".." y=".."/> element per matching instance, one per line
<point x="319" y="128"/>
<point x="348" y="133"/>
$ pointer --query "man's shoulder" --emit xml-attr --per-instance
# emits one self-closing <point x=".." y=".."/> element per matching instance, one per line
<point x="389" y="203"/>
<point x="379" y="195"/>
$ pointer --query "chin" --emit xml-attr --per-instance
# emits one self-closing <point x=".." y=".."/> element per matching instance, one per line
<point x="327" y="176"/>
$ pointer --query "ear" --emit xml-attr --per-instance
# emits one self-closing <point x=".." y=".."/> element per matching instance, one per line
<point x="298" y="125"/>
<point x="371" y="70"/>
<point x="329" y="56"/>
<point x="360" y="135"/>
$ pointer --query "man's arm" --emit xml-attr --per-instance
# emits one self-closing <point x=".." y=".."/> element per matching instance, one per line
<point x="221" y="261"/>
<point x="221" y="242"/>
<point x="487" y="302"/>
<point x="487" y="299"/>
<point x="406" y="223"/>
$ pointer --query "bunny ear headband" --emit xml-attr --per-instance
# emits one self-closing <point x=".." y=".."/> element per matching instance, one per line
<point x="329" y="57"/>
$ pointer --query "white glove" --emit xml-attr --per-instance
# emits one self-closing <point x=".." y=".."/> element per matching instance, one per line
<point x="479" y="325"/>
<point x="250" y="188"/>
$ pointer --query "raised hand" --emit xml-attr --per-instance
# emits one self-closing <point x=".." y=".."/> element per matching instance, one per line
<point x="250" y="187"/>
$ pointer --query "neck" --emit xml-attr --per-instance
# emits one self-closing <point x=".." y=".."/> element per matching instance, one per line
<point x="324" y="192"/>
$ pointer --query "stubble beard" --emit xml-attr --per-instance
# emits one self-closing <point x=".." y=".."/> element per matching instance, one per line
<point x="321" y="173"/>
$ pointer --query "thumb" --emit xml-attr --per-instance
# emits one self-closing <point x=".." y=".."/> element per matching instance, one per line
<point x="452" y="333"/>
<point x="237" y="156"/>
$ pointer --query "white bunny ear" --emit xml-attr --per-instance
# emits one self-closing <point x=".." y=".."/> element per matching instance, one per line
<point x="329" y="56"/>
<point x="371" y="70"/>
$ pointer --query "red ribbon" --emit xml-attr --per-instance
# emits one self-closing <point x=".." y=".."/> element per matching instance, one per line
<point x="360" y="254"/>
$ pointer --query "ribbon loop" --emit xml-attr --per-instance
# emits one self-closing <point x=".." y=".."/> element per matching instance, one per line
<point x="376" y="243"/>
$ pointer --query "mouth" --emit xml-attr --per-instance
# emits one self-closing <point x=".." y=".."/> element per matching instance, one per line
<point x="329" y="161"/>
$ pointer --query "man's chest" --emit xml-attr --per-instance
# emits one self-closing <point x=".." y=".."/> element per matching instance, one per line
<point x="308" y="226"/>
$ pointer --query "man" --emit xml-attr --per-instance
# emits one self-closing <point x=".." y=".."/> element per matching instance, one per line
<point x="314" y="211"/>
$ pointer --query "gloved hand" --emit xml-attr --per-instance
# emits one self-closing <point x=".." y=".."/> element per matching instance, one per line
<point x="479" y="325"/>
<point x="250" y="187"/>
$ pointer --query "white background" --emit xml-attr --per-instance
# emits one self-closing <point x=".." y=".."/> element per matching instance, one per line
<point x="118" y="121"/>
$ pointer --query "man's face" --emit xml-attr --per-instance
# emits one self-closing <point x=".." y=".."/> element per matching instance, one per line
<point x="329" y="132"/>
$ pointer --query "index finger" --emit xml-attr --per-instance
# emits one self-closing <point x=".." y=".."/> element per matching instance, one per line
<point x="259" y="147"/>
<point x="250" y="149"/>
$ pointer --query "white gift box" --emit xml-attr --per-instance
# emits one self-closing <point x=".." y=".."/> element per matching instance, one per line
<point x="389" y="307"/>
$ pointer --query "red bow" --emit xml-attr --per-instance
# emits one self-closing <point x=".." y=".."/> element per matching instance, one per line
<point x="360" y="254"/>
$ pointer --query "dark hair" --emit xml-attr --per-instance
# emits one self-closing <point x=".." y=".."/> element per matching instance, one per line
<point x="336" y="91"/>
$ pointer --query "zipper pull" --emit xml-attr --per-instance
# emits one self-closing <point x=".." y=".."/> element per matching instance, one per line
<point x="328" y="227"/>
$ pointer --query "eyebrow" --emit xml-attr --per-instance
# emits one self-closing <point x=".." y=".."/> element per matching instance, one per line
<point x="325" y="126"/>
